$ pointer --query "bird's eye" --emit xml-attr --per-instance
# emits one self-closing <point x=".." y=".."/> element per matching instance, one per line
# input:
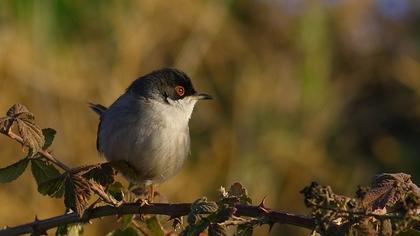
<point x="180" y="90"/>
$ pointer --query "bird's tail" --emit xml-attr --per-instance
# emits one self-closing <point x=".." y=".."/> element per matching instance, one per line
<point x="97" y="108"/>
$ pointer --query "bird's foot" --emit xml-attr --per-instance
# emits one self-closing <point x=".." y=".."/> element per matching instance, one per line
<point x="143" y="202"/>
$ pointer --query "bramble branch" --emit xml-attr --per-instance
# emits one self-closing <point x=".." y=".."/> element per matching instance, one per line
<point x="173" y="210"/>
<point x="44" y="153"/>
<point x="391" y="204"/>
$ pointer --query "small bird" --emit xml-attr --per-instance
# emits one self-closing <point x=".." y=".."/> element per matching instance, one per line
<point x="146" y="129"/>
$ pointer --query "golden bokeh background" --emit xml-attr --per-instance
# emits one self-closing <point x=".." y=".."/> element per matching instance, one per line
<point x="324" y="90"/>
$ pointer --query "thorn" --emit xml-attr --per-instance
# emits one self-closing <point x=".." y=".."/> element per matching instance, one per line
<point x="262" y="203"/>
<point x="262" y="206"/>
<point x="36" y="218"/>
<point x="270" y="225"/>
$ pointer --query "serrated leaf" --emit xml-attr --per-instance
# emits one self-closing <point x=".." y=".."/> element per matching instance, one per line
<point x="77" y="193"/>
<point x="5" y="124"/>
<point x="239" y="191"/>
<point x="154" y="226"/>
<point x="31" y="135"/>
<point x="202" y="206"/>
<point x="18" y="109"/>
<point x="123" y="232"/>
<point x="28" y="130"/>
<point x="193" y="218"/>
<point x="43" y="171"/>
<point x="49" y="135"/>
<point x="103" y="174"/>
<point x="217" y="230"/>
<point x="10" y="173"/>
<point x="69" y="230"/>
<point x="53" y="187"/>
<point x="383" y="191"/>
<point x="244" y="230"/>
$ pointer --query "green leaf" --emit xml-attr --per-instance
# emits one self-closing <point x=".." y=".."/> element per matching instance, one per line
<point x="43" y="171"/>
<point x="126" y="220"/>
<point x="69" y="230"/>
<point x="410" y="232"/>
<point x="244" y="230"/>
<point x="123" y="232"/>
<point x="154" y="226"/>
<point x="49" y="135"/>
<point x="10" y="173"/>
<point x="53" y="187"/>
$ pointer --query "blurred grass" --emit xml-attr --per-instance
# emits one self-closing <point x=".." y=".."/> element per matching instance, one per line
<point x="305" y="90"/>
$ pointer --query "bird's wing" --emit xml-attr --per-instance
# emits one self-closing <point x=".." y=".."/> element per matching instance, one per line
<point x="98" y="109"/>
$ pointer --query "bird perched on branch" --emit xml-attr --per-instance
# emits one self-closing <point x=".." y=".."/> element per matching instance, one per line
<point x="145" y="131"/>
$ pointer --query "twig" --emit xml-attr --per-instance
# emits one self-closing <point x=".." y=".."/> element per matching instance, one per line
<point x="98" y="189"/>
<point x="44" y="153"/>
<point x="140" y="228"/>
<point x="173" y="210"/>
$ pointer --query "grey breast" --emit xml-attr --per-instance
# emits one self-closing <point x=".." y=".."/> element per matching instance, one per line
<point x="138" y="131"/>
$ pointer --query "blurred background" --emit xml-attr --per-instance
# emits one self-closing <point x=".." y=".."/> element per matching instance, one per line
<point x="325" y="90"/>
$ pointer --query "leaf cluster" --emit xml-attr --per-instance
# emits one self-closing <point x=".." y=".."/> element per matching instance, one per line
<point x="216" y="217"/>
<point x="389" y="206"/>
<point x="31" y="134"/>
<point x="75" y="185"/>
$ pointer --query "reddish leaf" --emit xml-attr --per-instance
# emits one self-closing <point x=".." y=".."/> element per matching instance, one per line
<point x="103" y="174"/>
<point x="385" y="190"/>
<point x="77" y="193"/>
<point x="31" y="134"/>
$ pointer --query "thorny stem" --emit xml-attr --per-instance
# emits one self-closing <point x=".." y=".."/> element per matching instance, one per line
<point x="377" y="216"/>
<point x="173" y="210"/>
<point x="44" y="153"/>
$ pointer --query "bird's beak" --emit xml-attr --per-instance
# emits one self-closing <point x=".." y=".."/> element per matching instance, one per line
<point x="202" y="96"/>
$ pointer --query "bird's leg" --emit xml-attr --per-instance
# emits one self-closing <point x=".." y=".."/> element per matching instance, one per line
<point x="151" y="194"/>
<point x="138" y="193"/>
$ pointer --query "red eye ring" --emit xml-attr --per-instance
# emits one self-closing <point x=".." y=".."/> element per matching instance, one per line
<point x="180" y="90"/>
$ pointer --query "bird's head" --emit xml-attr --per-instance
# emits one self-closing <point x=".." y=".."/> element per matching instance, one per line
<point x="168" y="86"/>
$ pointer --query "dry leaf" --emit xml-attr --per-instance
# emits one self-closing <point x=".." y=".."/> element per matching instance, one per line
<point x="384" y="190"/>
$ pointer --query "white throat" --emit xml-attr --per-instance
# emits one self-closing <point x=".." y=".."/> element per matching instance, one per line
<point x="181" y="109"/>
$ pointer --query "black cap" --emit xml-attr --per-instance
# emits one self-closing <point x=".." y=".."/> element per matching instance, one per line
<point x="162" y="84"/>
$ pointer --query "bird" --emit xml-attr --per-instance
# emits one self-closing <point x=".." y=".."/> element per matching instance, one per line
<point x="145" y="131"/>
